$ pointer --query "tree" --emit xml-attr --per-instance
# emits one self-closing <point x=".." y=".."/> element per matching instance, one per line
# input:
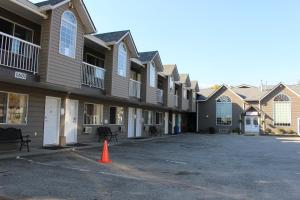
<point x="215" y="87"/>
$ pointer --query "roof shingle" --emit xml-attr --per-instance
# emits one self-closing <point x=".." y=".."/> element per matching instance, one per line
<point x="112" y="36"/>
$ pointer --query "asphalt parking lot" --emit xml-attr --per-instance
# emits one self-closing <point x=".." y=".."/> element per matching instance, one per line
<point x="181" y="167"/>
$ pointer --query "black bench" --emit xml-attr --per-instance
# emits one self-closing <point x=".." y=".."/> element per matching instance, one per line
<point x="106" y="132"/>
<point x="13" y="135"/>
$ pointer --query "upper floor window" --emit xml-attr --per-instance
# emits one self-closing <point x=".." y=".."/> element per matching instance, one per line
<point x="68" y="33"/>
<point x="171" y="84"/>
<point x="224" y="111"/>
<point x="122" y="60"/>
<point x="152" y="74"/>
<point x="282" y="110"/>
<point x="184" y="93"/>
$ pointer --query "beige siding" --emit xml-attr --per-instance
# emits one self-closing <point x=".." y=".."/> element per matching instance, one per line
<point x="63" y="70"/>
<point x="150" y="91"/>
<point x="267" y="107"/>
<point x="207" y="112"/>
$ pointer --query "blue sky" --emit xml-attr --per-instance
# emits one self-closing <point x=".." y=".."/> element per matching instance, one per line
<point x="215" y="41"/>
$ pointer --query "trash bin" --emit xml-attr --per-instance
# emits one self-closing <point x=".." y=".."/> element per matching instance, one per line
<point x="176" y="130"/>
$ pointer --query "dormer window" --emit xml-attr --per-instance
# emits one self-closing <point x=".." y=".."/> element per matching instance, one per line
<point x="68" y="33"/>
<point x="152" y="74"/>
<point x="122" y="60"/>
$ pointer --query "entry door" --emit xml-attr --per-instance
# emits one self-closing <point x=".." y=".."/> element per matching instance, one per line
<point x="251" y="124"/>
<point x="71" y="121"/>
<point x="131" y="122"/>
<point x="166" y="122"/>
<point x="52" y="121"/>
<point x="138" y="123"/>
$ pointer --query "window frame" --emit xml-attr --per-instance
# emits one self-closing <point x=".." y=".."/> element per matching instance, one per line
<point x="75" y="38"/>
<point x="152" y="72"/>
<point x="116" y="124"/>
<point x="274" y="111"/>
<point x="122" y="44"/>
<point x="7" y="108"/>
<point x="101" y="114"/>
<point x="224" y="125"/>
<point x="151" y="121"/>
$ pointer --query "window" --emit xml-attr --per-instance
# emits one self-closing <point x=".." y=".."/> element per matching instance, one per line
<point x="171" y="84"/>
<point x="13" y="108"/>
<point x="224" y="111"/>
<point x="94" y="60"/>
<point x="152" y="74"/>
<point x="282" y="110"/>
<point x="148" y="117"/>
<point x="184" y="93"/>
<point x="116" y="115"/>
<point x="122" y="60"/>
<point x="68" y="32"/>
<point x="93" y="114"/>
<point x="158" y="118"/>
<point x="134" y="75"/>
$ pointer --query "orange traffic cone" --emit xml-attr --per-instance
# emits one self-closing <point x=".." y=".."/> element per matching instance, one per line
<point x="105" y="155"/>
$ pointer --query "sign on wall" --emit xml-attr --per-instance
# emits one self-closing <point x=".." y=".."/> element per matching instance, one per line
<point x="20" y="75"/>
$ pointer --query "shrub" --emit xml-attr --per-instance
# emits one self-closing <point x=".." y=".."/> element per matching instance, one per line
<point x="281" y="131"/>
<point x="236" y="130"/>
<point x="291" y="132"/>
<point x="268" y="131"/>
<point x="211" y="130"/>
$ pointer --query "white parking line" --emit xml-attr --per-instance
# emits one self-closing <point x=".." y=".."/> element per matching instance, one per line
<point x="119" y="175"/>
<point x="176" y="162"/>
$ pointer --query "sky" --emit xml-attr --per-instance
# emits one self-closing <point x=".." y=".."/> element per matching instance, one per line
<point x="215" y="41"/>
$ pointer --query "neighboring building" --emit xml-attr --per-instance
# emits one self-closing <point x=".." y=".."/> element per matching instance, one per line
<point x="60" y="80"/>
<point x="250" y="109"/>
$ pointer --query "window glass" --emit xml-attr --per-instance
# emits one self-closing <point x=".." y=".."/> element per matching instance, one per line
<point x="152" y="74"/>
<point x="3" y="107"/>
<point x="224" y="111"/>
<point x="116" y="115"/>
<point x="148" y="117"/>
<point x="158" y="118"/>
<point x="248" y="121"/>
<point x="6" y="27"/>
<point x="23" y="33"/>
<point x="255" y="122"/>
<point x="134" y="75"/>
<point x="68" y="32"/>
<point x="122" y="60"/>
<point x="282" y="110"/>
<point x="171" y="83"/>
<point x="93" y="114"/>
<point x="184" y="93"/>
<point x="94" y="60"/>
<point x="17" y="109"/>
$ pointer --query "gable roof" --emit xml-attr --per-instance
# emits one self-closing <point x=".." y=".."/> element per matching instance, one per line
<point x="210" y="92"/>
<point x="81" y="8"/>
<point x="195" y="86"/>
<point x="171" y="70"/>
<point x="185" y="79"/>
<point x="148" y="56"/>
<point x="294" y="89"/>
<point x="112" y="38"/>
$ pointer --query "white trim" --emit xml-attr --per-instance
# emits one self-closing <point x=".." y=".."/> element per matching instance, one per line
<point x="137" y="61"/>
<point x="134" y="46"/>
<point x="97" y="40"/>
<point x="273" y="107"/>
<point x="267" y="94"/>
<point x="50" y="7"/>
<point x="224" y="125"/>
<point x="298" y="122"/>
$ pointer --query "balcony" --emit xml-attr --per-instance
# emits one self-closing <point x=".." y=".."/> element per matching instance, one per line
<point x="135" y="89"/>
<point x="18" y="54"/>
<point x="92" y="76"/>
<point x="175" y="100"/>
<point x="159" y="96"/>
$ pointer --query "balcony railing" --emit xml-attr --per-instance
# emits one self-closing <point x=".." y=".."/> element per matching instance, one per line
<point x="92" y="76"/>
<point x="159" y="95"/>
<point x="175" y="100"/>
<point x="18" y="54"/>
<point x="134" y="89"/>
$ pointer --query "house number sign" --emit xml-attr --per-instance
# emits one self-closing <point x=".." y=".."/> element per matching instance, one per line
<point x="20" y="75"/>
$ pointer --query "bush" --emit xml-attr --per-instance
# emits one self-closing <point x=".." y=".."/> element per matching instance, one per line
<point x="291" y="132"/>
<point x="211" y="130"/>
<point x="237" y="130"/>
<point x="281" y="131"/>
<point x="268" y="131"/>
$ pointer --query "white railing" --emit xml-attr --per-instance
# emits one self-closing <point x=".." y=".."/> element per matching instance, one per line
<point x="18" y="54"/>
<point x="175" y="100"/>
<point x="134" y="88"/>
<point x="159" y="95"/>
<point x="92" y="76"/>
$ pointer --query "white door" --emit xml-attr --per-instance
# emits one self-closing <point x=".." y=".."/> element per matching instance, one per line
<point x="299" y="126"/>
<point x="138" y="123"/>
<point x="71" y="120"/>
<point x="131" y="122"/>
<point x="52" y="121"/>
<point x="251" y="124"/>
<point x="166" y="122"/>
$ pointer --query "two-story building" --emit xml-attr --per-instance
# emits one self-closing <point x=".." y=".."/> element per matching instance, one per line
<point x="61" y="81"/>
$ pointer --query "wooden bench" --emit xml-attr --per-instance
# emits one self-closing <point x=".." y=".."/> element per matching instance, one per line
<point x="106" y="132"/>
<point x="13" y="135"/>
